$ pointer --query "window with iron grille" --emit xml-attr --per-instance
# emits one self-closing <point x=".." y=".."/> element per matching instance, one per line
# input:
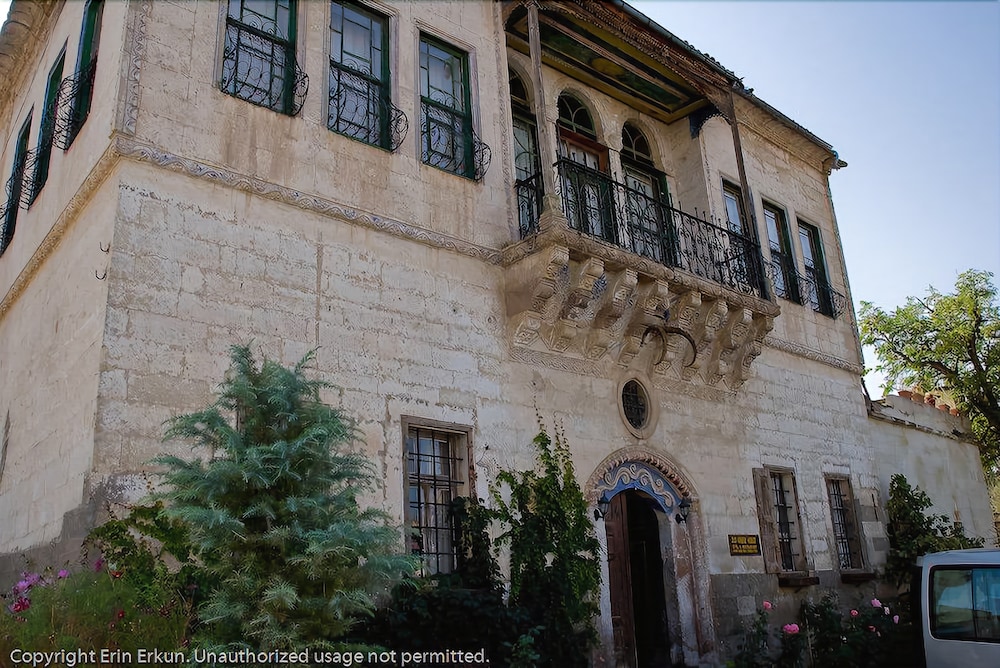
<point x="360" y="86"/>
<point x="845" y="528"/>
<point x="77" y="92"/>
<point x="447" y="140"/>
<point x="527" y="164"/>
<point x="15" y="185"/>
<point x="783" y="274"/>
<point x="437" y="474"/>
<point x="259" y="63"/>
<point x="46" y="131"/>
<point x="817" y="285"/>
<point x="780" y="523"/>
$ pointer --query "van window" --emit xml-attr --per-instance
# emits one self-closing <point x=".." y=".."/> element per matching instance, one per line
<point x="965" y="603"/>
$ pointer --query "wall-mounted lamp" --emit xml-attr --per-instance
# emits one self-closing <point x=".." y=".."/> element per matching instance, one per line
<point x="603" y="504"/>
<point x="684" y="507"/>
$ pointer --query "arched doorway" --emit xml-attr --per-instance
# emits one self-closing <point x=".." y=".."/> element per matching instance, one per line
<point x="655" y="600"/>
<point x="636" y="582"/>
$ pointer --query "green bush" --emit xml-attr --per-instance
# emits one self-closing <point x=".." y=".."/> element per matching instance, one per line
<point x="273" y="516"/>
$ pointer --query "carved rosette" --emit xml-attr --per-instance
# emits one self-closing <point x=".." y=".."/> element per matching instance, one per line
<point x="567" y="298"/>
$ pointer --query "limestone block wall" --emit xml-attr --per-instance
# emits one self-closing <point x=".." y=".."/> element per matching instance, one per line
<point x="50" y="353"/>
<point x="183" y="111"/>
<point x="931" y="448"/>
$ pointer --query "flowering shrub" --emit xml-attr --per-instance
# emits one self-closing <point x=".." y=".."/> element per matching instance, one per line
<point x="88" y="609"/>
<point x="823" y="637"/>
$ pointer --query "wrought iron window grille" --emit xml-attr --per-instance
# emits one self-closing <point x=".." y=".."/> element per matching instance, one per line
<point x="449" y="142"/>
<point x="259" y="66"/>
<point x="529" y="193"/>
<point x="30" y="187"/>
<point x="806" y="289"/>
<point x="360" y="107"/>
<point x="598" y="206"/>
<point x="783" y="522"/>
<point x="73" y="105"/>
<point x="842" y="525"/>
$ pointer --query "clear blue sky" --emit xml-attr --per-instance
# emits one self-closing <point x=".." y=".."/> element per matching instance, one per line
<point x="909" y="95"/>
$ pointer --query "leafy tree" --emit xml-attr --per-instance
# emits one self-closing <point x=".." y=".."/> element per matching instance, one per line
<point x="273" y="516"/>
<point x="913" y="533"/>
<point x="948" y="342"/>
<point x="554" y="567"/>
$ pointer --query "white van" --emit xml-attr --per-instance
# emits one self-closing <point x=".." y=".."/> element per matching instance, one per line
<point x="958" y="605"/>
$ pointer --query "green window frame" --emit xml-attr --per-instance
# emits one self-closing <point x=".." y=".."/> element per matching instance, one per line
<point x="15" y="184"/>
<point x="446" y="135"/>
<point x="783" y="274"/>
<point x="86" y="70"/>
<point x="360" y="104"/>
<point x="736" y="217"/>
<point x="258" y="63"/>
<point x="47" y="128"/>
<point x="817" y="284"/>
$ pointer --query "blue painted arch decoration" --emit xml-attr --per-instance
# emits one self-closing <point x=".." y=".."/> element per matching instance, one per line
<point x="642" y="470"/>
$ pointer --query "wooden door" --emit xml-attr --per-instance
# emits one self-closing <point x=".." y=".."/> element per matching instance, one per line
<point x="620" y="582"/>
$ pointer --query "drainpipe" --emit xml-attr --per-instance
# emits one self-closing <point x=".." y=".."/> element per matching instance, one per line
<point x="551" y="208"/>
<point x="746" y="196"/>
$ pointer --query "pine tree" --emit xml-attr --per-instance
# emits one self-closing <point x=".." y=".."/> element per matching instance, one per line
<point x="273" y="513"/>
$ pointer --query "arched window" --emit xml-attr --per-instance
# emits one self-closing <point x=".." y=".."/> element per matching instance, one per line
<point x="647" y="228"/>
<point x="587" y="193"/>
<point x="527" y="165"/>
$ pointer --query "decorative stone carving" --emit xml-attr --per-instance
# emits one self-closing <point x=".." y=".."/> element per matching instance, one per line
<point x="564" y="300"/>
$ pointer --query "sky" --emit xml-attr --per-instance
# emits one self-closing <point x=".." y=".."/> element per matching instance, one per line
<point x="908" y="93"/>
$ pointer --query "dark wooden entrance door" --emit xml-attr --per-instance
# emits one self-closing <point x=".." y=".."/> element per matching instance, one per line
<point x="635" y="568"/>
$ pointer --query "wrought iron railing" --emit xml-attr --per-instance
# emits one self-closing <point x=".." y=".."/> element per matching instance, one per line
<point x="448" y="141"/>
<point x="73" y="105"/>
<point x="13" y="190"/>
<point x="784" y="279"/>
<point x="529" y="203"/>
<point x="360" y="107"/>
<point x="30" y="187"/>
<point x="809" y="289"/>
<point x="598" y="206"/>
<point x="259" y="66"/>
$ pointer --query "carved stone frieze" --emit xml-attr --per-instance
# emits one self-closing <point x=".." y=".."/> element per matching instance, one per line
<point x="565" y="303"/>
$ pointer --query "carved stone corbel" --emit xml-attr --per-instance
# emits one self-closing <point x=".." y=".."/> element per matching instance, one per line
<point x="620" y="289"/>
<point x="653" y="301"/>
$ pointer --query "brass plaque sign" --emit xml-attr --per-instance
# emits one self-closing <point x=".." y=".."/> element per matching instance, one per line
<point x="744" y="544"/>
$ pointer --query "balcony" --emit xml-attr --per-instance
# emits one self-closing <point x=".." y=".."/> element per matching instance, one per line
<point x="597" y="205"/>
<point x="810" y="289"/>
<point x="619" y="276"/>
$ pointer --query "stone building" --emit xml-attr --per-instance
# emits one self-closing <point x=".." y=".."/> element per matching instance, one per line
<point x="472" y="211"/>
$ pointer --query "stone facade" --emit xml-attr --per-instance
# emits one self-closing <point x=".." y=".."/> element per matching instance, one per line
<point x="182" y="219"/>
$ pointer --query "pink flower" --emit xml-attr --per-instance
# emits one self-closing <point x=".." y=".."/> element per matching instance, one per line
<point x="21" y="604"/>
<point x="767" y="605"/>
<point x="854" y="613"/>
<point x="22" y="587"/>
<point x="63" y="573"/>
<point x="872" y="629"/>
<point x="895" y="619"/>
<point x="876" y="603"/>
<point x="98" y="565"/>
<point x="790" y="629"/>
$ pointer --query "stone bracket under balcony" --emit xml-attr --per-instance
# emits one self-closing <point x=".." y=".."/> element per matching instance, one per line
<point x="572" y="295"/>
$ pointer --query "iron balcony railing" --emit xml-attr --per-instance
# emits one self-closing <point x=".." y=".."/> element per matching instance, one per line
<point x="810" y="289"/>
<point x="360" y="106"/>
<point x="598" y="206"/>
<point x="259" y="66"/>
<point x="73" y="106"/>
<point x="448" y="140"/>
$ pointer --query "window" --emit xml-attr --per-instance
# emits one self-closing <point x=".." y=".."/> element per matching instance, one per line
<point x="817" y="287"/>
<point x="80" y="88"/>
<point x="845" y="528"/>
<point x="527" y="164"/>
<point x="965" y="603"/>
<point x="437" y="462"/>
<point x="783" y="274"/>
<point x="360" y="89"/>
<point x="258" y="62"/>
<point x="735" y="216"/>
<point x="780" y="525"/>
<point x="46" y="131"/>
<point x="15" y="185"/>
<point x="447" y="140"/>
<point x="587" y="190"/>
<point x="648" y="229"/>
